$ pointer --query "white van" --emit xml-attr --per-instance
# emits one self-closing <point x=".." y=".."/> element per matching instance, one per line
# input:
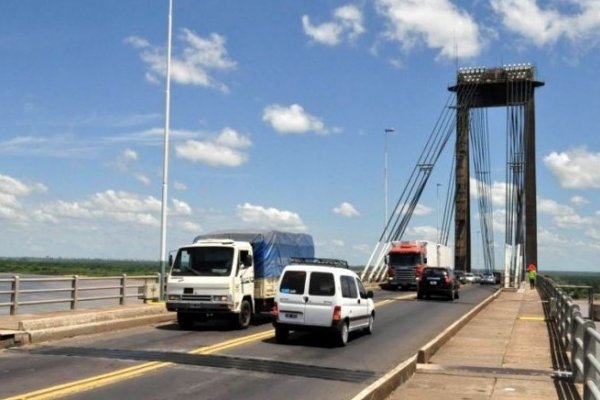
<point x="321" y="294"/>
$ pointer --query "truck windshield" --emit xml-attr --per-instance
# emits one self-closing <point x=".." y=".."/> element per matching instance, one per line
<point x="203" y="261"/>
<point x="405" y="259"/>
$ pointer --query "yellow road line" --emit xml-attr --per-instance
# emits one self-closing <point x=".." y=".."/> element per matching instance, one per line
<point x="131" y="372"/>
<point x="531" y="318"/>
<point x="97" y="381"/>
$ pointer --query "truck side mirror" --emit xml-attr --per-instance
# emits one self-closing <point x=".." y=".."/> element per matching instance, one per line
<point x="248" y="260"/>
<point x="387" y="260"/>
<point x="170" y="260"/>
<point x="425" y="260"/>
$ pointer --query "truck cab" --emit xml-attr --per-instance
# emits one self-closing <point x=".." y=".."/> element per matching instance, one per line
<point x="212" y="278"/>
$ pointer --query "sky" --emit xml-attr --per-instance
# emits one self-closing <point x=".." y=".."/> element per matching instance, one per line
<point x="278" y="113"/>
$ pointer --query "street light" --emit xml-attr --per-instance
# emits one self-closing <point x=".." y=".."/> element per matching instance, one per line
<point x="437" y="212"/>
<point x="163" y="212"/>
<point x="385" y="176"/>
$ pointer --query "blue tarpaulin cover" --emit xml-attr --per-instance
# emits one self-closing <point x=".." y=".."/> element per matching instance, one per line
<point x="272" y="249"/>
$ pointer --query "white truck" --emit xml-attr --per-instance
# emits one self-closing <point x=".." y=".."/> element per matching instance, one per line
<point x="231" y="274"/>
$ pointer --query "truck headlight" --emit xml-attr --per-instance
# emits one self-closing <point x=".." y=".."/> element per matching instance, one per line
<point x="174" y="297"/>
<point x="221" y="298"/>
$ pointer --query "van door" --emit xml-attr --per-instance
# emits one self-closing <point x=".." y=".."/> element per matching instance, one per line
<point x="291" y="299"/>
<point x="320" y="299"/>
<point x="351" y="301"/>
<point x="364" y="305"/>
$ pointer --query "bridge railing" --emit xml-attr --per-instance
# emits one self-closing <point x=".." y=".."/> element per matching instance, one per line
<point x="577" y="334"/>
<point x="42" y="294"/>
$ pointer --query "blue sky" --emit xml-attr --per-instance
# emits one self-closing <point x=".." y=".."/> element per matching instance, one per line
<point x="278" y="112"/>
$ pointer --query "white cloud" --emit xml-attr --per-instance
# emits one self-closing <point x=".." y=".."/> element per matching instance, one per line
<point x="192" y="227"/>
<point x="439" y="24"/>
<point x="575" y="169"/>
<point x="124" y="160"/>
<point x="563" y="216"/>
<point x="181" y="207"/>
<point x="179" y="186"/>
<point x="195" y="64"/>
<point x="292" y="119"/>
<point x="270" y="217"/>
<point x="142" y="178"/>
<point x="575" y="20"/>
<point x="230" y="138"/>
<point x="347" y="24"/>
<point x="346" y="210"/>
<point x="225" y="149"/>
<point x="422" y="232"/>
<point x="498" y="191"/>
<point x="10" y="191"/>
<point x="579" y="200"/>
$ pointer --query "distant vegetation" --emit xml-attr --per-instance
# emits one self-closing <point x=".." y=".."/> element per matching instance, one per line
<point x="577" y="279"/>
<point x="83" y="267"/>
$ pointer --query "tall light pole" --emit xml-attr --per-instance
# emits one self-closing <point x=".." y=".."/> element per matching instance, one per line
<point x="385" y="177"/>
<point x="163" y="214"/>
<point x="437" y="212"/>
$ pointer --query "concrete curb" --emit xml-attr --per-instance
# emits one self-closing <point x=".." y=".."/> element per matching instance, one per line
<point x="384" y="386"/>
<point x="37" y="330"/>
<point x="381" y="388"/>
<point x="43" y="335"/>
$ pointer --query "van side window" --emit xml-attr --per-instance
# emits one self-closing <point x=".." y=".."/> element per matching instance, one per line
<point x="361" y="289"/>
<point x="293" y="282"/>
<point x="321" y="284"/>
<point x="348" y="287"/>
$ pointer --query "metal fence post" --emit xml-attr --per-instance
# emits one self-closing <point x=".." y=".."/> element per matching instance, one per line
<point x="123" y="289"/>
<point x="14" y="296"/>
<point x="591" y="362"/>
<point x="74" y="292"/>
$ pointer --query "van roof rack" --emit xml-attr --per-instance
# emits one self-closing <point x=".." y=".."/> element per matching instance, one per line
<point x="319" y="261"/>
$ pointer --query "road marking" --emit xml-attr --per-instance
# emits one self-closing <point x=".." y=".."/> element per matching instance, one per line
<point x="531" y="318"/>
<point x="97" y="381"/>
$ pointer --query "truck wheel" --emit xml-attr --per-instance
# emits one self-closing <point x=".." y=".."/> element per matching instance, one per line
<point x="281" y="334"/>
<point x="245" y="315"/>
<point x="419" y="295"/>
<point x="342" y="334"/>
<point x="185" y="320"/>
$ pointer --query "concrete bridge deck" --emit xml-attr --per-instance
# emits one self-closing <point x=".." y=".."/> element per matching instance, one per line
<point x="506" y="351"/>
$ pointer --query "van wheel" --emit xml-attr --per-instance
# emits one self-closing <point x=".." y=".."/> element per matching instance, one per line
<point x="369" y="328"/>
<point x="185" y="320"/>
<point x="281" y="334"/>
<point x="342" y="334"/>
<point x="245" y="315"/>
<point x="419" y="295"/>
<point x="456" y="295"/>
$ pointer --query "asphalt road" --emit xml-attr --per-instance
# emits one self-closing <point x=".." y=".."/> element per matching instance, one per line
<point x="214" y="361"/>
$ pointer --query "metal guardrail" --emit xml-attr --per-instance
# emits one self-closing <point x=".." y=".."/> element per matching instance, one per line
<point x="577" y="334"/>
<point x="54" y="290"/>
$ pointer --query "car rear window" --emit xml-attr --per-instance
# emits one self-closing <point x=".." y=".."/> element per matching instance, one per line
<point x="321" y="284"/>
<point x="293" y="282"/>
<point x="435" y="272"/>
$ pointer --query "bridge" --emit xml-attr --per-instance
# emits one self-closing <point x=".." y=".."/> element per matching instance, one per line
<point x="494" y="343"/>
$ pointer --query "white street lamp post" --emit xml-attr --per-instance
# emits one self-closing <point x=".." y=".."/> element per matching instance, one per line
<point x="163" y="219"/>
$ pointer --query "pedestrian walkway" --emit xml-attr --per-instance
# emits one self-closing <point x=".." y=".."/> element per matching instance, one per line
<point x="507" y="351"/>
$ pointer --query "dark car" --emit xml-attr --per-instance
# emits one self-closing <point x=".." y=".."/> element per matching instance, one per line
<point x="438" y="281"/>
<point x="497" y="277"/>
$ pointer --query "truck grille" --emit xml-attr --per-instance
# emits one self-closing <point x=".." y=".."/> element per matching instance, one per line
<point x="196" y="297"/>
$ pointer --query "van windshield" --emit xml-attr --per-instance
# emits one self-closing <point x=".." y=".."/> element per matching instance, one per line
<point x="203" y="261"/>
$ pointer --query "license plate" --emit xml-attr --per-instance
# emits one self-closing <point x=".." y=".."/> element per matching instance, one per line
<point x="289" y="315"/>
<point x="433" y="282"/>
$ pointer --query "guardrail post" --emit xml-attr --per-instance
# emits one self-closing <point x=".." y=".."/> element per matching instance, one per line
<point x="123" y="289"/>
<point x="14" y="296"/>
<point x="74" y="292"/>
<point x="591" y="363"/>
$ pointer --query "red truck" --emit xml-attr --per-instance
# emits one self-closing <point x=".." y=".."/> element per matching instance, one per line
<point x="407" y="259"/>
